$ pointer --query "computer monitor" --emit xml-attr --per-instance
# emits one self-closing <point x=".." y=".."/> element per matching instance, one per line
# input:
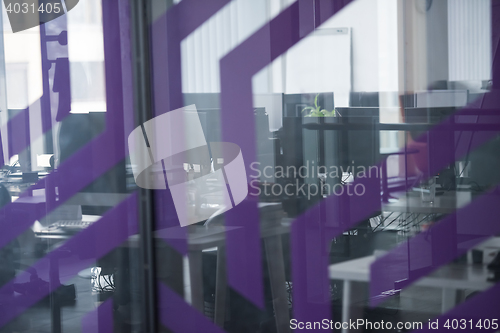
<point x="436" y="115"/>
<point x="484" y="163"/>
<point x="202" y="100"/>
<point x="211" y="124"/>
<point x="428" y="115"/>
<point x="75" y="132"/>
<point x="299" y="145"/>
<point x="359" y="147"/>
<point x="364" y="99"/>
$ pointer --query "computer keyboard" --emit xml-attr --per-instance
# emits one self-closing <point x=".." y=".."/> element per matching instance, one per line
<point x="71" y="224"/>
<point x="63" y="227"/>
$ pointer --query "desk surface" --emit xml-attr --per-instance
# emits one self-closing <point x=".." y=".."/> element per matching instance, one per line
<point x="411" y="202"/>
<point x="36" y="199"/>
<point x="200" y="237"/>
<point x="455" y="276"/>
<point x="82" y="198"/>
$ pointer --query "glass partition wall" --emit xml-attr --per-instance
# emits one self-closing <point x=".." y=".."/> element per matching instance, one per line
<point x="70" y="240"/>
<point x="250" y="166"/>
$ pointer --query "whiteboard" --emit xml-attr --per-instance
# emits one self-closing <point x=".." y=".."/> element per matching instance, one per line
<point x="321" y="62"/>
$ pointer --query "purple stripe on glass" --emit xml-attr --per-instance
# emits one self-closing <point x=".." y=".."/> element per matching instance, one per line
<point x="18" y="129"/>
<point x="19" y="133"/>
<point x="42" y="108"/>
<point x="167" y="33"/>
<point x="439" y="245"/>
<point x="78" y="171"/>
<point x="99" y="320"/>
<point x="79" y="252"/>
<point x="237" y="69"/>
<point x="95" y="158"/>
<point x="464" y="229"/>
<point x="310" y="253"/>
<point x="337" y="214"/>
<point x="180" y="317"/>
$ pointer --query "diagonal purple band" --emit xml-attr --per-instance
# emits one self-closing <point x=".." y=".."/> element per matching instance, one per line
<point x="99" y="320"/>
<point x="236" y="71"/>
<point x="95" y="158"/>
<point x="180" y="317"/>
<point x="167" y="33"/>
<point x="76" y="254"/>
<point x="436" y="247"/>
<point x="78" y="171"/>
<point x="337" y="214"/>
<point x="19" y="132"/>
<point x="467" y="227"/>
<point x="82" y="168"/>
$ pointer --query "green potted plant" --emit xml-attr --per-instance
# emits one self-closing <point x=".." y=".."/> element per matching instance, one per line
<point x="317" y="111"/>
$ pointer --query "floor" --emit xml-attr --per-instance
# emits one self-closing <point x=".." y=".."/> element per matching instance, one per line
<point x="413" y="304"/>
<point x="38" y="318"/>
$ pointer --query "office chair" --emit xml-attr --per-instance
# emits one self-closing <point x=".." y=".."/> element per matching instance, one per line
<point x="275" y="258"/>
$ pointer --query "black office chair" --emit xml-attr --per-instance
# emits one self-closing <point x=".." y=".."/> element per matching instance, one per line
<point x="239" y="310"/>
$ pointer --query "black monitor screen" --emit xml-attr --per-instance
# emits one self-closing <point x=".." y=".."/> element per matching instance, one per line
<point x="359" y="146"/>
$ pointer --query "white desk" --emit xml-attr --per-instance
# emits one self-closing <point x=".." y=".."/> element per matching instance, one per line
<point x="411" y="202"/>
<point x="450" y="278"/>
